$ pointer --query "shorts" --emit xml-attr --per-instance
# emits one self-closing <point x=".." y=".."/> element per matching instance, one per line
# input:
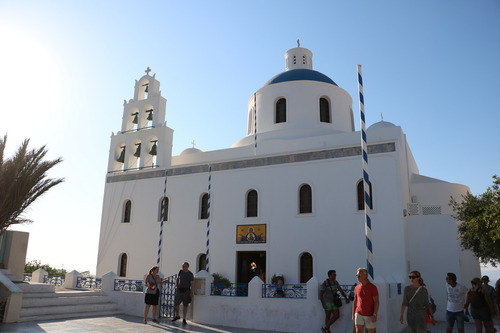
<point x="330" y="306"/>
<point x="452" y="316"/>
<point x="483" y="314"/>
<point x="365" y="321"/>
<point x="152" y="299"/>
<point x="183" y="297"/>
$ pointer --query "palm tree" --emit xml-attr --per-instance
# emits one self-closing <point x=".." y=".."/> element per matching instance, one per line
<point x="22" y="180"/>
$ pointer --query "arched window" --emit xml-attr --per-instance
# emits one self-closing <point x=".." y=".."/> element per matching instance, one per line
<point x="306" y="267"/>
<point x="165" y="209"/>
<point x="280" y="112"/>
<point x="324" y="110"/>
<point x="204" y="206"/>
<point x="202" y="262"/>
<point x="305" y="199"/>
<point x="361" y="195"/>
<point x="123" y="265"/>
<point x="127" y="209"/>
<point x="252" y="203"/>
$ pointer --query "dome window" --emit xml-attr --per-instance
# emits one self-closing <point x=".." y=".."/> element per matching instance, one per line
<point x="280" y="112"/>
<point x="324" y="110"/>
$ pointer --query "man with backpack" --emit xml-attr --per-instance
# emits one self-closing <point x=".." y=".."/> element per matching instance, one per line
<point x="330" y="300"/>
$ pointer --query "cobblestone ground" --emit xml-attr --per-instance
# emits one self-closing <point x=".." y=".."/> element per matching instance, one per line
<point x="469" y="327"/>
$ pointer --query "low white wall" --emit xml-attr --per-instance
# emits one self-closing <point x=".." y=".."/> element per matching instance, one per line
<point x="271" y="314"/>
<point x="279" y="314"/>
<point x="131" y="303"/>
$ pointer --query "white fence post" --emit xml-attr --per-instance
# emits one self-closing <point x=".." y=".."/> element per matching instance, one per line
<point x="71" y="279"/>
<point x="39" y="275"/>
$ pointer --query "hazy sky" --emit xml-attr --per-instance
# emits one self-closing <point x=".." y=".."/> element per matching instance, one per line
<point x="431" y="67"/>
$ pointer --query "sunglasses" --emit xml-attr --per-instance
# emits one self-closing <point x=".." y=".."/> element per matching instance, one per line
<point x="413" y="277"/>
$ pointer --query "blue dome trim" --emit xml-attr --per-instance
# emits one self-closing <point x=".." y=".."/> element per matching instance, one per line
<point x="300" y="74"/>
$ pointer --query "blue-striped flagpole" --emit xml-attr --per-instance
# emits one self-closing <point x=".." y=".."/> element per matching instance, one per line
<point x="207" y="256"/>
<point x="163" y="202"/>
<point x="255" y="123"/>
<point x="366" y="179"/>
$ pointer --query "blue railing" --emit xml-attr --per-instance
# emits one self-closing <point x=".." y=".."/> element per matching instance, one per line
<point x="57" y="281"/>
<point x="129" y="285"/>
<point x="27" y="277"/>
<point x="229" y="289"/>
<point x="89" y="282"/>
<point x="285" y="291"/>
<point x="348" y="290"/>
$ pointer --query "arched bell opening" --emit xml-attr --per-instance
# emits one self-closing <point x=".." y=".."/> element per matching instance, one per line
<point x="136" y="158"/>
<point x="143" y="89"/>
<point x="151" y="153"/>
<point x="148" y="116"/>
<point x="119" y="160"/>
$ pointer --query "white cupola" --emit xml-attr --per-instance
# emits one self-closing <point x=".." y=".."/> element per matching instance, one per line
<point x="298" y="57"/>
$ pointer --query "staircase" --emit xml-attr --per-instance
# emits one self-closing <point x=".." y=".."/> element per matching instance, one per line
<point x="43" y="302"/>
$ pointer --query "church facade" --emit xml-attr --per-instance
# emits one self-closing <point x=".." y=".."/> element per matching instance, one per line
<point x="287" y="198"/>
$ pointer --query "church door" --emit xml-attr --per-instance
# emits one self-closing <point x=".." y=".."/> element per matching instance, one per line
<point x="250" y="264"/>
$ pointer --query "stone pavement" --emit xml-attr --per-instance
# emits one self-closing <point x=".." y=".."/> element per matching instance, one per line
<point x="441" y="327"/>
<point x="118" y="324"/>
<point x="131" y="324"/>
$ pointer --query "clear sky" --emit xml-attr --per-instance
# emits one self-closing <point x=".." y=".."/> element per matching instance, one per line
<point x="431" y="67"/>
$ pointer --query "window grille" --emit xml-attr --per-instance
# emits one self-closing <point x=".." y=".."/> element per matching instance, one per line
<point x="431" y="210"/>
<point x="413" y="209"/>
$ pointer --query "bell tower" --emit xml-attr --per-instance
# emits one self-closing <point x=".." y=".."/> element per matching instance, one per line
<point x="144" y="141"/>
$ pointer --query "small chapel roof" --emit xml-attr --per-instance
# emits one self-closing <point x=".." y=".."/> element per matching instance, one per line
<point x="300" y="74"/>
<point x="381" y="124"/>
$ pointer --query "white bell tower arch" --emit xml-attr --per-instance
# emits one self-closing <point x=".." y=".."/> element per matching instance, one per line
<point x="144" y="140"/>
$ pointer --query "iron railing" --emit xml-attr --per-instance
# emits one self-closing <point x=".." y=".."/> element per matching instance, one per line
<point x="57" y="281"/>
<point x="229" y="289"/>
<point x="129" y="285"/>
<point x="285" y="291"/>
<point x="89" y="282"/>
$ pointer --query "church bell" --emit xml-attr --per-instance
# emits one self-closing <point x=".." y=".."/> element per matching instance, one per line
<point x="138" y="151"/>
<point x="136" y="119"/>
<point x="147" y="87"/>
<point x="154" y="149"/>
<point x="121" y="159"/>
<point x="150" y="115"/>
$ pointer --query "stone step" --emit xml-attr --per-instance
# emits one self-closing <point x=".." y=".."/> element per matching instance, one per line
<point x="29" y="302"/>
<point x="56" y="316"/>
<point x="63" y="294"/>
<point x="73" y="309"/>
<point x="36" y="287"/>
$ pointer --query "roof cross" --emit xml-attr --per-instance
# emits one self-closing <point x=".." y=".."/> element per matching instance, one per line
<point x="148" y="70"/>
<point x="193" y="143"/>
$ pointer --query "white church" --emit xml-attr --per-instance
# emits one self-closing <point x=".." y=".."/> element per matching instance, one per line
<point x="288" y="196"/>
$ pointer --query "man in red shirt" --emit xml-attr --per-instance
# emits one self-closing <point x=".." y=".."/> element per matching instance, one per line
<point x="365" y="307"/>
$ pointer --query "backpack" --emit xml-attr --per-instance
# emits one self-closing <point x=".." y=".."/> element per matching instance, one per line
<point x="433" y="305"/>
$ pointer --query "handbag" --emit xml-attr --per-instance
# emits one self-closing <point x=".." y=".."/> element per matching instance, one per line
<point x="415" y="294"/>
<point x="151" y="288"/>
<point x="336" y="299"/>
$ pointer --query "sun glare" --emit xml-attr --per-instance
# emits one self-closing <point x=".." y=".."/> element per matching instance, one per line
<point x="29" y="78"/>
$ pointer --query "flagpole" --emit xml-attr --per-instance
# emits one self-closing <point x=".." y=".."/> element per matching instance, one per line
<point x="366" y="179"/>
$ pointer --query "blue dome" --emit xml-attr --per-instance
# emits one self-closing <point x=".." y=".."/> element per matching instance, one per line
<point x="299" y="74"/>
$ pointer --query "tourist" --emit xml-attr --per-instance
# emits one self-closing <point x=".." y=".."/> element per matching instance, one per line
<point x="152" y="283"/>
<point x="365" y="305"/>
<point x="279" y="286"/>
<point x="491" y="292"/>
<point x="481" y="307"/>
<point x="331" y="300"/>
<point x="497" y="290"/>
<point x="455" y="294"/>
<point x="183" y="291"/>
<point x="416" y="299"/>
